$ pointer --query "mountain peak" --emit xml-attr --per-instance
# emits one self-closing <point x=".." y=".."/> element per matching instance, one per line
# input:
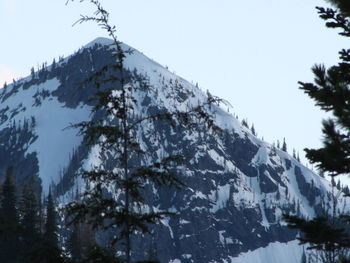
<point x="99" y="40"/>
<point x="238" y="186"/>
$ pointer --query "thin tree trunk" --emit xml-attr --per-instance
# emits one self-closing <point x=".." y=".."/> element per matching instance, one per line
<point x="126" y="174"/>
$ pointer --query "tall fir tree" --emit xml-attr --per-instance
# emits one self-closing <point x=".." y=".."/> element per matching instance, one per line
<point x="51" y="229"/>
<point x="74" y="244"/>
<point x="253" y="130"/>
<point x="9" y="221"/>
<point x="51" y="232"/>
<point x="48" y="250"/>
<point x="331" y="93"/>
<point x="119" y="139"/>
<point x="30" y="223"/>
<point x="284" y="145"/>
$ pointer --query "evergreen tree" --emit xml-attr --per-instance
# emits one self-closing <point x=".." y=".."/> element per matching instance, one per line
<point x="253" y="130"/>
<point x="9" y="221"/>
<point x="331" y="93"/>
<point x="322" y="235"/>
<point x="284" y="145"/>
<point x="50" y="234"/>
<point x="346" y="191"/>
<point x="32" y="72"/>
<point x="303" y="257"/>
<point x="119" y="139"/>
<point x="53" y="65"/>
<point x="338" y="185"/>
<point x="333" y="182"/>
<point x="343" y="7"/>
<point x="74" y="244"/>
<point x="48" y="250"/>
<point x="4" y="88"/>
<point x="30" y="223"/>
<point x="245" y="123"/>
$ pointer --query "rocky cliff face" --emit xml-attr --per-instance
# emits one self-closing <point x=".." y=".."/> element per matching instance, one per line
<point x="237" y="186"/>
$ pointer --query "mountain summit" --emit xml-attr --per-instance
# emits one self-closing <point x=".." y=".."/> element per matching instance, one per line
<point x="237" y="186"/>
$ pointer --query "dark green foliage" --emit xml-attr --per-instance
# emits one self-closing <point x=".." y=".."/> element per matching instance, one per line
<point x="284" y="145"/>
<point x="48" y="250"/>
<point x="74" y="244"/>
<point x="342" y="5"/>
<point x="320" y="233"/>
<point x="32" y="72"/>
<point x="50" y="234"/>
<point x="338" y="185"/>
<point x="53" y="65"/>
<point x="21" y="240"/>
<point x="45" y="253"/>
<point x="97" y="254"/>
<point x="328" y="237"/>
<point x="253" y="130"/>
<point x="9" y="221"/>
<point x="331" y="93"/>
<point x="115" y="99"/>
<point x="346" y="190"/>
<point x="333" y="182"/>
<point x="30" y="223"/>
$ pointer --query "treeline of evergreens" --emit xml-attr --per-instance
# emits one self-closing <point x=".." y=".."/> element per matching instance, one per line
<point x="25" y="229"/>
<point x="29" y="229"/>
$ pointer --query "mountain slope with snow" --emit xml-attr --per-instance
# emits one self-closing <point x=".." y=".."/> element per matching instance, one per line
<point x="238" y="186"/>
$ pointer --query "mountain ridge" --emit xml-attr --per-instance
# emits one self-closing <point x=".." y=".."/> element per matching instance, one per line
<point x="238" y="185"/>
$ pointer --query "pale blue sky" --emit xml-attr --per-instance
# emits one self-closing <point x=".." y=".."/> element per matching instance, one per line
<point x="251" y="53"/>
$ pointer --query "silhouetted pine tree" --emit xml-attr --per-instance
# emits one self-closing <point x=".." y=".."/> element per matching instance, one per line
<point x="253" y="130"/>
<point x="331" y="93"/>
<point x="74" y="244"/>
<point x="50" y="234"/>
<point x="49" y="250"/>
<point x="244" y="123"/>
<point x="346" y="191"/>
<point x="284" y="145"/>
<point x="119" y="138"/>
<point x="333" y="182"/>
<point x="9" y="221"/>
<point x="338" y="185"/>
<point x="343" y="7"/>
<point x="303" y="257"/>
<point x="30" y="223"/>
<point x="51" y="230"/>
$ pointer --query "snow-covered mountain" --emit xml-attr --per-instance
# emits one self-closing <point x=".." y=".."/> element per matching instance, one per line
<point x="238" y="186"/>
